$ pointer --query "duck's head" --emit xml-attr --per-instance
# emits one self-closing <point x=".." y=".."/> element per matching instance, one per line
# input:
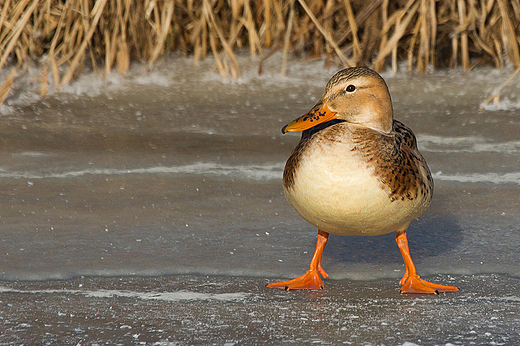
<point x="356" y="95"/>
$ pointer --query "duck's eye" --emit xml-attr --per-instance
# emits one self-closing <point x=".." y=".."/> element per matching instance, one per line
<point x="350" y="88"/>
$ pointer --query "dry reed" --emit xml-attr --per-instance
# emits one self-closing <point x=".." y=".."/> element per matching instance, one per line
<point x="66" y="34"/>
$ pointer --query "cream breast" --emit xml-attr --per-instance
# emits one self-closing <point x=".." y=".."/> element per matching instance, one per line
<point x="336" y="188"/>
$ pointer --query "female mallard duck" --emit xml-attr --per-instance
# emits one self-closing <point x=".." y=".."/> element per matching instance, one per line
<point x="356" y="171"/>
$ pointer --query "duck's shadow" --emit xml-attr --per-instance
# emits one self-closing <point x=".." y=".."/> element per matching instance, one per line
<point x="427" y="237"/>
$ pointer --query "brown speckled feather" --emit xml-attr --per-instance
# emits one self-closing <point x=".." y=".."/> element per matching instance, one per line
<point x="396" y="162"/>
<point x="294" y="159"/>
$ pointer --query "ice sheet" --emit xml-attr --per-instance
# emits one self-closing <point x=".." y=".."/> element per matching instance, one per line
<point x="196" y="310"/>
<point x="179" y="173"/>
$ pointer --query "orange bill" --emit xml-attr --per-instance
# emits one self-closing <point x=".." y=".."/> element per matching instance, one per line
<point x="317" y="115"/>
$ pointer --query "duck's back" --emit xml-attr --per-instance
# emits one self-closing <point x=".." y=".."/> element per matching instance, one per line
<point x="347" y="179"/>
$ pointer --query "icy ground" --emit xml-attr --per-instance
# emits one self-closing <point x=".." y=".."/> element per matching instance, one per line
<point x="198" y="310"/>
<point x="149" y="208"/>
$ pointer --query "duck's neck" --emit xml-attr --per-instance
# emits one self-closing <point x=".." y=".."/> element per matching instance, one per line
<point x="380" y="115"/>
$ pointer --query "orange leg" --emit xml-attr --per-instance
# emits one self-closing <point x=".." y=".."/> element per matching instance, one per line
<point x="311" y="279"/>
<point x="411" y="282"/>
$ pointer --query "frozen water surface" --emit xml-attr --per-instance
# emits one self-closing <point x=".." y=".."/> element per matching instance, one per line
<point x="149" y="208"/>
<point x="238" y="310"/>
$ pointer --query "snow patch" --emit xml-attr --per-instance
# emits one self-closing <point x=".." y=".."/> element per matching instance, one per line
<point x="254" y="172"/>
<point x="469" y="144"/>
<point x="495" y="178"/>
<point x="503" y="105"/>
<point x="178" y="296"/>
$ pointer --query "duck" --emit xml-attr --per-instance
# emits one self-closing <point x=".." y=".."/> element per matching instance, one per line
<point x="357" y="172"/>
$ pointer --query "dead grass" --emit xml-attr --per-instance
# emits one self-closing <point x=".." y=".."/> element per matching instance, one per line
<point x="66" y="34"/>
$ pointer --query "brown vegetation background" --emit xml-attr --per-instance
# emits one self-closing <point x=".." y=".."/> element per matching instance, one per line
<point x="64" y="35"/>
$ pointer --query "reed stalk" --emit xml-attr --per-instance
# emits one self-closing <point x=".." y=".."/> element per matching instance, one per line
<point x="109" y="35"/>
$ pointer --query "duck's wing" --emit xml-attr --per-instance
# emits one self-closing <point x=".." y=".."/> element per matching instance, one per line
<point x="396" y="161"/>
<point x="405" y="135"/>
